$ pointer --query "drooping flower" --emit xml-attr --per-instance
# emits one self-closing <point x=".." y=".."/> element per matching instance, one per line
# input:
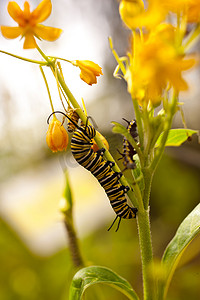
<point x="57" y="136"/>
<point x="28" y="23"/>
<point x="89" y="70"/>
<point x="157" y="64"/>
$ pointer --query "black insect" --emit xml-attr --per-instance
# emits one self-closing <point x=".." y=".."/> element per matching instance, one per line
<point x="128" y="149"/>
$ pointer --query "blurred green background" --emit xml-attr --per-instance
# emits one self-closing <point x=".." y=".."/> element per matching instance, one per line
<point x="34" y="257"/>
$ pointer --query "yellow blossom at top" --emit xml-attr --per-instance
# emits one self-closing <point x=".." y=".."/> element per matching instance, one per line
<point x="190" y="8"/>
<point x="135" y="15"/>
<point x="156" y="65"/>
<point x="193" y="12"/>
<point x="28" y="23"/>
<point x="89" y="70"/>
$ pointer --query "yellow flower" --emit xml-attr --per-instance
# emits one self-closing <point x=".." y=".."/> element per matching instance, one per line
<point x="156" y="65"/>
<point x="89" y="70"/>
<point x="178" y="5"/>
<point x="193" y="11"/>
<point x="28" y="23"/>
<point x="135" y="16"/>
<point x="190" y="8"/>
<point x="57" y="137"/>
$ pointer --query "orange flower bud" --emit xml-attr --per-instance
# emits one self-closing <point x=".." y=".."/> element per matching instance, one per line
<point x="130" y="9"/>
<point x="89" y="70"/>
<point x="57" y="137"/>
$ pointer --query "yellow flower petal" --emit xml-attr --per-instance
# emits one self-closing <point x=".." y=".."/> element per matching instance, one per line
<point x="129" y="9"/>
<point x="187" y="64"/>
<point x="89" y="65"/>
<point x="29" y="42"/>
<point x="57" y="137"/>
<point x="88" y="77"/>
<point x="11" y="32"/>
<point x="156" y="65"/>
<point x="42" y="11"/>
<point x="28" y="22"/>
<point x="193" y="12"/>
<point x="27" y="12"/>
<point x="15" y="11"/>
<point x="47" y="33"/>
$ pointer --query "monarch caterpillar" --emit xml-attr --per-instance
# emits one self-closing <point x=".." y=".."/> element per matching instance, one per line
<point x="128" y="149"/>
<point x="94" y="162"/>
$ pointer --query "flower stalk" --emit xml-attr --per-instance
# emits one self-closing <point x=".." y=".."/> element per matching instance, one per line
<point x="66" y="207"/>
<point x="143" y="223"/>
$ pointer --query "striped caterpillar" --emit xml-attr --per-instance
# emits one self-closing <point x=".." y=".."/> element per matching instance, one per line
<point x="94" y="162"/>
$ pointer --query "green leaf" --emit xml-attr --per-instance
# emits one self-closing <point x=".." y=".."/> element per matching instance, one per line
<point x="176" y="137"/>
<point x="186" y="232"/>
<point x="118" y="128"/>
<point x="97" y="274"/>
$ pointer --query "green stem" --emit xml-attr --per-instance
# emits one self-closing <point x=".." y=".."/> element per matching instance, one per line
<point x="71" y="98"/>
<point x="25" y="59"/>
<point x="60" y="58"/>
<point x="49" y="61"/>
<point x="146" y="254"/>
<point x="138" y="195"/>
<point x="48" y="91"/>
<point x="139" y="123"/>
<point x="148" y="134"/>
<point x="148" y="176"/>
<point x="74" y="248"/>
<point x="168" y="124"/>
<point x="66" y="207"/>
<point x="156" y="135"/>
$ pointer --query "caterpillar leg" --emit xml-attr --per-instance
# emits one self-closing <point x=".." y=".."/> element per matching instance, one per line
<point x="118" y="174"/>
<point x="109" y="163"/>
<point x="126" y="188"/>
<point x="101" y="151"/>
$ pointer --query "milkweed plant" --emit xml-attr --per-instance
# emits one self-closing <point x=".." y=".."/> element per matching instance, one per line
<point x="163" y="35"/>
